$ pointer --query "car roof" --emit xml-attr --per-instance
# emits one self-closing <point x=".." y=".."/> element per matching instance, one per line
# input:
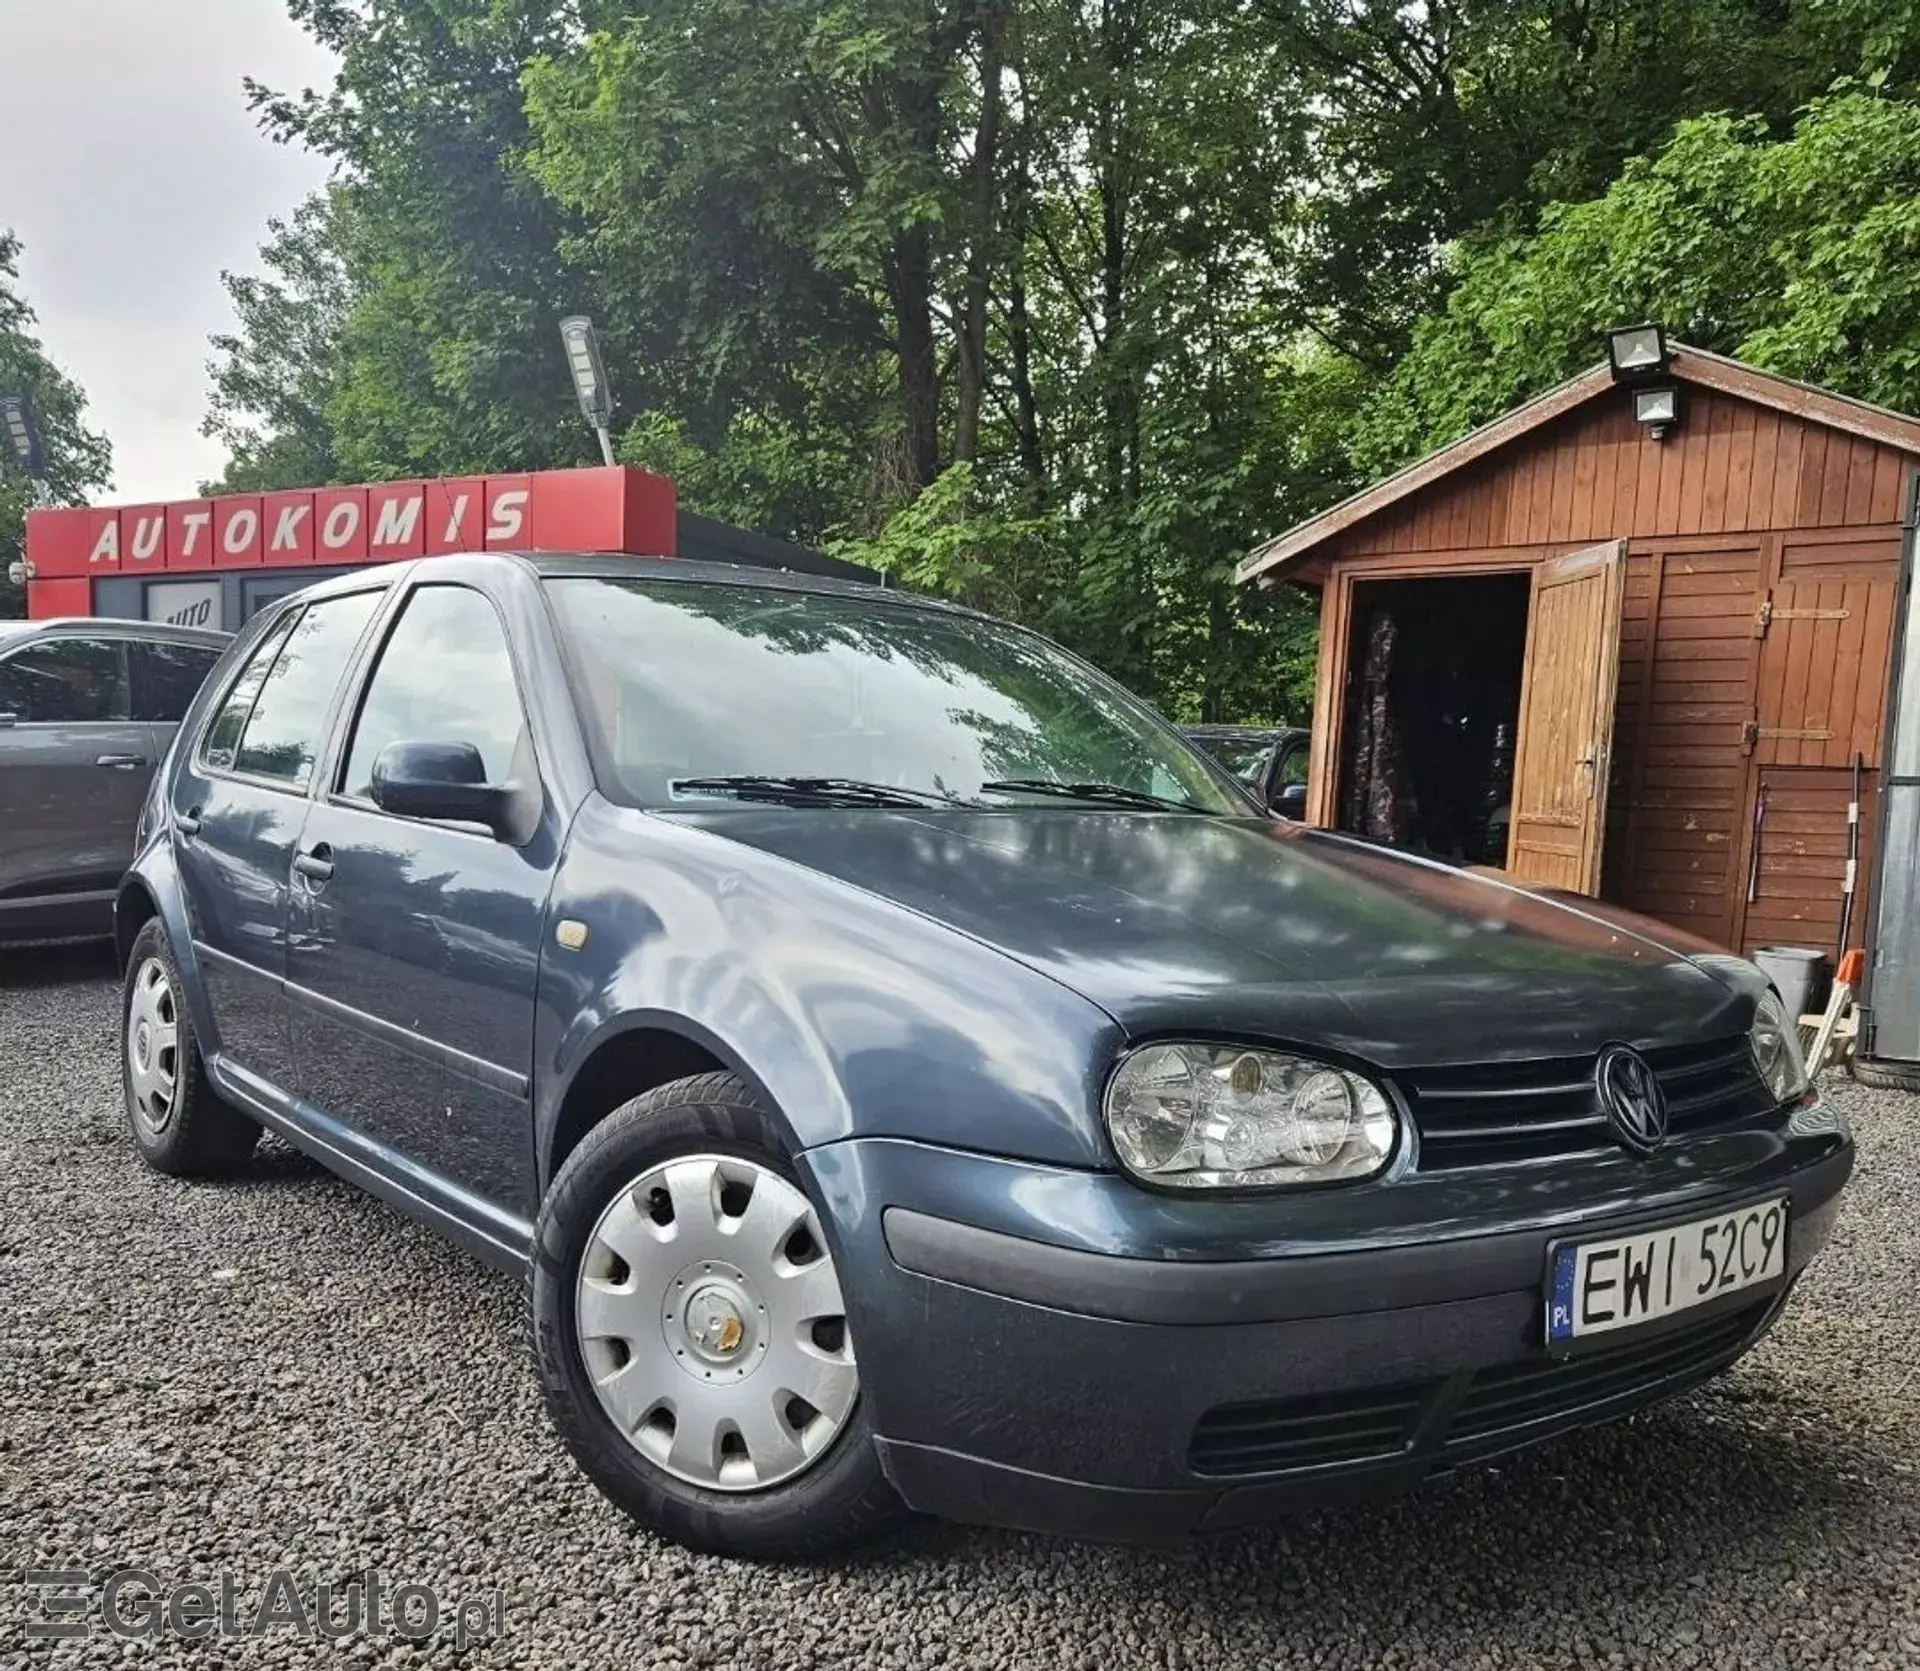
<point x="551" y="565"/>
<point x="113" y="626"/>
<point x="568" y="565"/>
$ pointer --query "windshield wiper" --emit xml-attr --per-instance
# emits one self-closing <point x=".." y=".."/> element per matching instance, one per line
<point x="1114" y="794"/>
<point x="815" y="791"/>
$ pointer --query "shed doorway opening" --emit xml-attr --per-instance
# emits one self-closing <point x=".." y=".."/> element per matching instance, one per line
<point x="1433" y="691"/>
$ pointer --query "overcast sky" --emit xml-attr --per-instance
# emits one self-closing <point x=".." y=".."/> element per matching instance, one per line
<point x="133" y="175"/>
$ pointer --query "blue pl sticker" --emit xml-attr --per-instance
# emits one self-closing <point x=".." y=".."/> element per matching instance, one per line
<point x="1560" y="1306"/>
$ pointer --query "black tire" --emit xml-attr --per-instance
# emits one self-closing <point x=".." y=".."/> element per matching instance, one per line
<point x="1886" y="1076"/>
<point x="200" y="1136"/>
<point x="841" y="1501"/>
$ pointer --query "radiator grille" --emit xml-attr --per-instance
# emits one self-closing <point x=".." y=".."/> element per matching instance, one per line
<point x="1493" y="1114"/>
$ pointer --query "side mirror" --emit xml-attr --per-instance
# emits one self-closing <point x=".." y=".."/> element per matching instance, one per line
<point x="447" y="781"/>
<point x="1291" y="802"/>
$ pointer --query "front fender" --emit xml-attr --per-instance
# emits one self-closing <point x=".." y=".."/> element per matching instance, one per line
<point x="850" y="1015"/>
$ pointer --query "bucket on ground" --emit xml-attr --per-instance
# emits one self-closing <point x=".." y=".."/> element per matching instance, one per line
<point x="1803" y="976"/>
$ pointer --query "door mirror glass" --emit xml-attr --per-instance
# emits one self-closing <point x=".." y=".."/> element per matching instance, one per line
<point x="1291" y="802"/>
<point x="446" y="781"/>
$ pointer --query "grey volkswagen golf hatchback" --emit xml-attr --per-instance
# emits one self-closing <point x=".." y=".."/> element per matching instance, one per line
<point x="86" y="710"/>
<point x="911" y="1077"/>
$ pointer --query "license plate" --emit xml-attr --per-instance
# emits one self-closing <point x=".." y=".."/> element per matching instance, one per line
<point x="1596" y="1287"/>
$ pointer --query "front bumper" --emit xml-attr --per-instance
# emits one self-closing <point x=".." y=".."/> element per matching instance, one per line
<point x="1065" y="1352"/>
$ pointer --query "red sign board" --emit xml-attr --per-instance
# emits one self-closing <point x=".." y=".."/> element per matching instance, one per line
<point x="614" y="509"/>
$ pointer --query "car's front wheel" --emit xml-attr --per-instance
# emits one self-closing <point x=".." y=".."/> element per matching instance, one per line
<point x="691" y="1332"/>
<point x="178" y="1121"/>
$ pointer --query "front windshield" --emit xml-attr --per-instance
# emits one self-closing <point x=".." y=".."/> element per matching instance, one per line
<point x="701" y="681"/>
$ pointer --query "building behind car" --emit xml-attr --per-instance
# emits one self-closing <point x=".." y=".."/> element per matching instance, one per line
<point x="218" y="562"/>
<point x="1695" y="638"/>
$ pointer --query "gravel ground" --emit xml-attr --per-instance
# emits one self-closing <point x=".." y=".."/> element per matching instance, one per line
<point x="282" y="1371"/>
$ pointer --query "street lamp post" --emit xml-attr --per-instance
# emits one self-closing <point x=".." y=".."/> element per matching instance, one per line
<point x="23" y="441"/>
<point x="22" y="438"/>
<point x="589" y="377"/>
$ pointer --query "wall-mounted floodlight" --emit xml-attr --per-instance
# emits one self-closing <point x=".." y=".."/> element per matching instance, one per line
<point x="1658" y="407"/>
<point x="589" y="377"/>
<point x="1637" y="351"/>
<point x="22" y="436"/>
<point x="1639" y="358"/>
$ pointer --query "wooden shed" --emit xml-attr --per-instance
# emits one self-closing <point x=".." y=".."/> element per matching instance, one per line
<point x="1640" y="665"/>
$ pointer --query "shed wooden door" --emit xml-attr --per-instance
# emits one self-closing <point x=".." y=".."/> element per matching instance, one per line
<point x="1559" y="802"/>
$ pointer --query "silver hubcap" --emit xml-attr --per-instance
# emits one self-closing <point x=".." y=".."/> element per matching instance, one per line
<point x="711" y="1324"/>
<point x="153" y="1047"/>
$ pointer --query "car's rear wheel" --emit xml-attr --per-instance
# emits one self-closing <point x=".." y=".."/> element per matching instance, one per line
<point x="179" y="1123"/>
<point x="691" y="1332"/>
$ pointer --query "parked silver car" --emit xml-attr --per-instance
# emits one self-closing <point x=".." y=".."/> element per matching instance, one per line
<point x="87" y="708"/>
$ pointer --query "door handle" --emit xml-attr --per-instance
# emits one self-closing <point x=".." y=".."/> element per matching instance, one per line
<point x="121" y="762"/>
<point x="188" y="822"/>
<point x="315" y="864"/>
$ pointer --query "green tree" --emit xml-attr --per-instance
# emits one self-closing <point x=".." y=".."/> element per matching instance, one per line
<point x="447" y="358"/>
<point x="1800" y="254"/>
<point x="1431" y="121"/>
<point x="78" y="460"/>
<point x="275" y="375"/>
<point x="1056" y="306"/>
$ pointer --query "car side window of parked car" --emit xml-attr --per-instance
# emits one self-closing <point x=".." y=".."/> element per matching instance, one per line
<point x="1246" y="761"/>
<point x="1292" y="770"/>
<point x="272" y="722"/>
<point x="65" y="681"/>
<point x="445" y="675"/>
<point x="217" y="746"/>
<point x="166" y="677"/>
<point x="287" y="728"/>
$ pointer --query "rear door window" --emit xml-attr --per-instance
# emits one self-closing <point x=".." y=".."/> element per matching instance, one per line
<point x="217" y="748"/>
<point x="287" y="727"/>
<point x="167" y="677"/>
<point x="65" y="681"/>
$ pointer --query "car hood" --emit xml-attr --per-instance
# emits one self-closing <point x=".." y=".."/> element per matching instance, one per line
<point x="1256" y="929"/>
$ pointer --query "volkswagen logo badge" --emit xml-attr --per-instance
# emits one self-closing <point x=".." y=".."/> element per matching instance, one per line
<point x="1631" y="1098"/>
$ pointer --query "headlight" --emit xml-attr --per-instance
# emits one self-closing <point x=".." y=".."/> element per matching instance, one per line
<point x="1776" y="1049"/>
<point x="1207" y="1116"/>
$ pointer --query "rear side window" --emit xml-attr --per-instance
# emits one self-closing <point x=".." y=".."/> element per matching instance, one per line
<point x="444" y="676"/>
<point x="284" y="733"/>
<point x="167" y="677"/>
<point x="224" y="733"/>
<point x="65" y="681"/>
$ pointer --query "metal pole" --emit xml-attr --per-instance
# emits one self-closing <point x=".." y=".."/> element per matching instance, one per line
<point x="606" y="443"/>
